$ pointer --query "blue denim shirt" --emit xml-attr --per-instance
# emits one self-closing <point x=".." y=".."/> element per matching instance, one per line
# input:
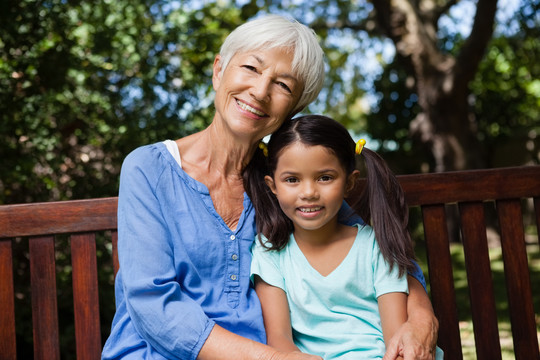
<point x="182" y="270"/>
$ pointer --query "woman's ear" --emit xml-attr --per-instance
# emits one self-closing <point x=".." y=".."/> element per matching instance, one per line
<point x="351" y="181"/>
<point x="216" y="74"/>
<point x="270" y="183"/>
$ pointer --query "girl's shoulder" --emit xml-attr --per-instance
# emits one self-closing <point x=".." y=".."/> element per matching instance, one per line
<point x="363" y="230"/>
<point x="365" y="237"/>
<point x="261" y="246"/>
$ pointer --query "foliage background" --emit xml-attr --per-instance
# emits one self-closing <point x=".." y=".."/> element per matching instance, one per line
<point x="83" y="83"/>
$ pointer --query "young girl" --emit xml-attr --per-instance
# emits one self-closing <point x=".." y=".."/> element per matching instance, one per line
<point x="326" y="288"/>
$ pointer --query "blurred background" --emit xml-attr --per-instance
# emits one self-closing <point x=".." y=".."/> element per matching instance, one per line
<point x="433" y="85"/>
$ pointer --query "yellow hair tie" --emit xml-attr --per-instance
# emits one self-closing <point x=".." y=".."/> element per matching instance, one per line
<point x="359" y="146"/>
<point x="264" y="148"/>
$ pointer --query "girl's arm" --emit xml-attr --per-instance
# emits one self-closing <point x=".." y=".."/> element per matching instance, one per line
<point x="277" y="321"/>
<point x="417" y="337"/>
<point x="393" y="312"/>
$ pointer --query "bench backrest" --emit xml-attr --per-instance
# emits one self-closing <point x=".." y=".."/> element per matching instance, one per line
<point x="39" y="223"/>
<point x="470" y="190"/>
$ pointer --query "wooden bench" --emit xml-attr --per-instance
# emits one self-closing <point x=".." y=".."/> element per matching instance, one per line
<point x="506" y="188"/>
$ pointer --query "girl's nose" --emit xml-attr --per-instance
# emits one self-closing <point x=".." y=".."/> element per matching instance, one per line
<point x="309" y="190"/>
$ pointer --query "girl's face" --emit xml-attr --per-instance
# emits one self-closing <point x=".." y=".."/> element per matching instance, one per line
<point x="310" y="184"/>
<point x="256" y="92"/>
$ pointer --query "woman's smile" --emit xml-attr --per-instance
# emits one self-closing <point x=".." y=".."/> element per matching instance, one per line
<point x="250" y="109"/>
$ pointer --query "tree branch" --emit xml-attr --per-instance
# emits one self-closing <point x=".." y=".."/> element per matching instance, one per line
<point x="438" y="11"/>
<point x="321" y="24"/>
<point x="384" y="14"/>
<point x="475" y="46"/>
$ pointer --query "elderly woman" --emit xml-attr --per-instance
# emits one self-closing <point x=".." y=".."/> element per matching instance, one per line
<point x="186" y="225"/>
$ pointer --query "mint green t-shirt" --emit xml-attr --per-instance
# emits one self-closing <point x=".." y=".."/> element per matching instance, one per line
<point x="336" y="316"/>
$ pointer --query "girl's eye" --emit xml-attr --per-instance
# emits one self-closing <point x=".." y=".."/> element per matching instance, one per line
<point x="326" y="178"/>
<point x="291" y="180"/>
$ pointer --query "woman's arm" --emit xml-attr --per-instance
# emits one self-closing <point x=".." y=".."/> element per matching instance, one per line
<point x="417" y="337"/>
<point x="277" y="321"/>
<point x="170" y="322"/>
<point x="224" y="345"/>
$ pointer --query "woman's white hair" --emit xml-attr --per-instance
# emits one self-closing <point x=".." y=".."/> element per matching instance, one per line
<point x="277" y="31"/>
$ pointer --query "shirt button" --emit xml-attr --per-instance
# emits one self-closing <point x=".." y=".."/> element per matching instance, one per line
<point x="234" y="257"/>
<point x="233" y="237"/>
<point x="233" y="277"/>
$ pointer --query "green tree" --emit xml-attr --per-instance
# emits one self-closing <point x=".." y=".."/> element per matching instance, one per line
<point x="83" y="83"/>
<point x="441" y="79"/>
<point x="428" y="112"/>
<point x="506" y="92"/>
<point x="503" y="100"/>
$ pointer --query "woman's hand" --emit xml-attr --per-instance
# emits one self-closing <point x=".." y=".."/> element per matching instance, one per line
<point x="413" y="342"/>
<point x="417" y="338"/>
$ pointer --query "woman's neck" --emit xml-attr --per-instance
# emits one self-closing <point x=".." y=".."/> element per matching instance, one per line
<point x="212" y="153"/>
<point x="217" y="162"/>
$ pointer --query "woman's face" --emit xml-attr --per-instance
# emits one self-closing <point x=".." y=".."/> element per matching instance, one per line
<point x="256" y="92"/>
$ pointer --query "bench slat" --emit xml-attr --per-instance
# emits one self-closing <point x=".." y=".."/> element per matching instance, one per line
<point x="85" y="296"/>
<point x="473" y="185"/>
<point x="44" y="306"/>
<point x="114" y="239"/>
<point x="7" y="308"/>
<point x="537" y="213"/>
<point x="518" y="281"/>
<point x="441" y="279"/>
<point x="58" y="217"/>
<point x="486" y="332"/>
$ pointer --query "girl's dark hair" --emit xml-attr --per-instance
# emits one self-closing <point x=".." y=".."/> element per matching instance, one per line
<point x="381" y="203"/>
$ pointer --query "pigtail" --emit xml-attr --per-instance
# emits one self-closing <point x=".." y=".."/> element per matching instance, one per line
<point x="382" y="204"/>
<point x="270" y="220"/>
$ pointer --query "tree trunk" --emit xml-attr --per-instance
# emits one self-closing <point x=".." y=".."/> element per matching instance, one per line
<point x="446" y="123"/>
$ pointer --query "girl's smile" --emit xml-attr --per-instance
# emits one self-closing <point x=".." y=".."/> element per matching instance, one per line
<point x="310" y="212"/>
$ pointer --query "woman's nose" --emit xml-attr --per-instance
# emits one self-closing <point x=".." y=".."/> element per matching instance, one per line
<point x="261" y="89"/>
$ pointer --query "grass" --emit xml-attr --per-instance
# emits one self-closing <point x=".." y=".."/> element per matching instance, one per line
<point x="462" y="295"/>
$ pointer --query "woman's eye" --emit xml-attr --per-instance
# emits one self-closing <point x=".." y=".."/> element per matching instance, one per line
<point x="249" y="67"/>
<point x="285" y="87"/>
